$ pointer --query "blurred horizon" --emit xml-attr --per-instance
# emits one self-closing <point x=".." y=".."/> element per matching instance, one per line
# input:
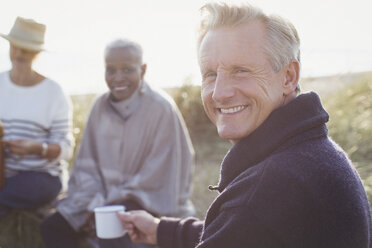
<point x="335" y="37"/>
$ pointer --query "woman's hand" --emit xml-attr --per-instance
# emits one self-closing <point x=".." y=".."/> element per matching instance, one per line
<point x="142" y="227"/>
<point x="22" y="147"/>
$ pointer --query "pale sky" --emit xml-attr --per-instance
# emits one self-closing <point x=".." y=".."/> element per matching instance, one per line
<point x="336" y="36"/>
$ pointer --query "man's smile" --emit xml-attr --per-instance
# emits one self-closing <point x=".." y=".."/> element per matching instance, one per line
<point x="232" y="110"/>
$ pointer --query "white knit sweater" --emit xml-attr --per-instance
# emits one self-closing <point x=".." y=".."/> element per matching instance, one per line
<point x="41" y="113"/>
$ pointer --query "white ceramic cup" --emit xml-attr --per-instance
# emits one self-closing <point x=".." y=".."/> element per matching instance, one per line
<point x="108" y="225"/>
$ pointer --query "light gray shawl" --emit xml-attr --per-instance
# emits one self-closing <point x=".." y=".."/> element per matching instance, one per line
<point x="136" y="149"/>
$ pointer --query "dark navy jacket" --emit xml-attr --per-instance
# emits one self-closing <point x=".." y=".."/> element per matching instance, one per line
<point x="286" y="185"/>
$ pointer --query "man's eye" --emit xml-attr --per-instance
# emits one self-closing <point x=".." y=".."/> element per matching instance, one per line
<point x="209" y="75"/>
<point x="241" y="70"/>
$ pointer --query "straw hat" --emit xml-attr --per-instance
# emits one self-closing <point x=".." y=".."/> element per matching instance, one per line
<point x="27" y="34"/>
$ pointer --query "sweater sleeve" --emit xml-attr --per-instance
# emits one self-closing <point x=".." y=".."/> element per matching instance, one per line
<point x="177" y="233"/>
<point x="61" y="126"/>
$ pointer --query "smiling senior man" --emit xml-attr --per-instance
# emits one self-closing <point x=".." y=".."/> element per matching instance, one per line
<point x="284" y="183"/>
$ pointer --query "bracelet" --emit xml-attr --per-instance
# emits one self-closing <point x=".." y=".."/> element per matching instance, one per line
<point x="44" y="149"/>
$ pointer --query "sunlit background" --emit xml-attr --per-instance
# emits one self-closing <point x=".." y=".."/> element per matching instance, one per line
<point x="336" y="36"/>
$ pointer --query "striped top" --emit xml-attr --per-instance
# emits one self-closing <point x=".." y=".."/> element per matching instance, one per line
<point x="41" y="113"/>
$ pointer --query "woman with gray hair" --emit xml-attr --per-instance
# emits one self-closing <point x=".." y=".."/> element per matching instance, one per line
<point x="36" y="115"/>
<point x="135" y="151"/>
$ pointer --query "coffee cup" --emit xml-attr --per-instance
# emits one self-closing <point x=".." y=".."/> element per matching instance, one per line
<point x="108" y="225"/>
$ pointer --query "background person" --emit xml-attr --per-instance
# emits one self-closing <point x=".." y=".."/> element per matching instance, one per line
<point x="135" y="151"/>
<point x="36" y="115"/>
<point x="284" y="183"/>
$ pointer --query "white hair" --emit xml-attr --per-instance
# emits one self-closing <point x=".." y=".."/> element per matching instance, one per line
<point x="282" y="44"/>
<point x="124" y="43"/>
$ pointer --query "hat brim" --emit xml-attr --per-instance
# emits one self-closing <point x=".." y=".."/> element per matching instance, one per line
<point x="23" y="44"/>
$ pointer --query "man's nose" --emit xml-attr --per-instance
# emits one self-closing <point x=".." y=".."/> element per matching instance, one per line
<point x="223" y="89"/>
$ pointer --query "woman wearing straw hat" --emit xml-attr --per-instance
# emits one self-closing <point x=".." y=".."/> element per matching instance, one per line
<point x="36" y="116"/>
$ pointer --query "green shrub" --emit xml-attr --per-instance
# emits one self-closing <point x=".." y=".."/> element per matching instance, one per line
<point x="20" y="229"/>
<point x="350" y="125"/>
<point x="81" y="108"/>
<point x="350" y="122"/>
<point x="190" y="104"/>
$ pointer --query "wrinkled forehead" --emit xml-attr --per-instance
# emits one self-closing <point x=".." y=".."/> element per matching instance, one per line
<point x="240" y="43"/>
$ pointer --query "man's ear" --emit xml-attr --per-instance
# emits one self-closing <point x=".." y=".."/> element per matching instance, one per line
<point x="292" y="75"/>
<point x="143" y="70"/>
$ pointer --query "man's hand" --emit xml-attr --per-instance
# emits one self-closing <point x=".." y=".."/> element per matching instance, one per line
<point x="141" y="226"/>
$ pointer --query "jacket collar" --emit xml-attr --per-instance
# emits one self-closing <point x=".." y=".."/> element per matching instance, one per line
<point x="126" y="108"/>
<point x="301" y="119"/>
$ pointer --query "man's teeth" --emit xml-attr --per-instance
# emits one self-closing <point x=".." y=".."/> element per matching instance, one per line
<point x="232" y="110"/>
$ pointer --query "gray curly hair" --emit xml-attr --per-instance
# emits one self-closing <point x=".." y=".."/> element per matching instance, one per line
<point x="124" y="43"/>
